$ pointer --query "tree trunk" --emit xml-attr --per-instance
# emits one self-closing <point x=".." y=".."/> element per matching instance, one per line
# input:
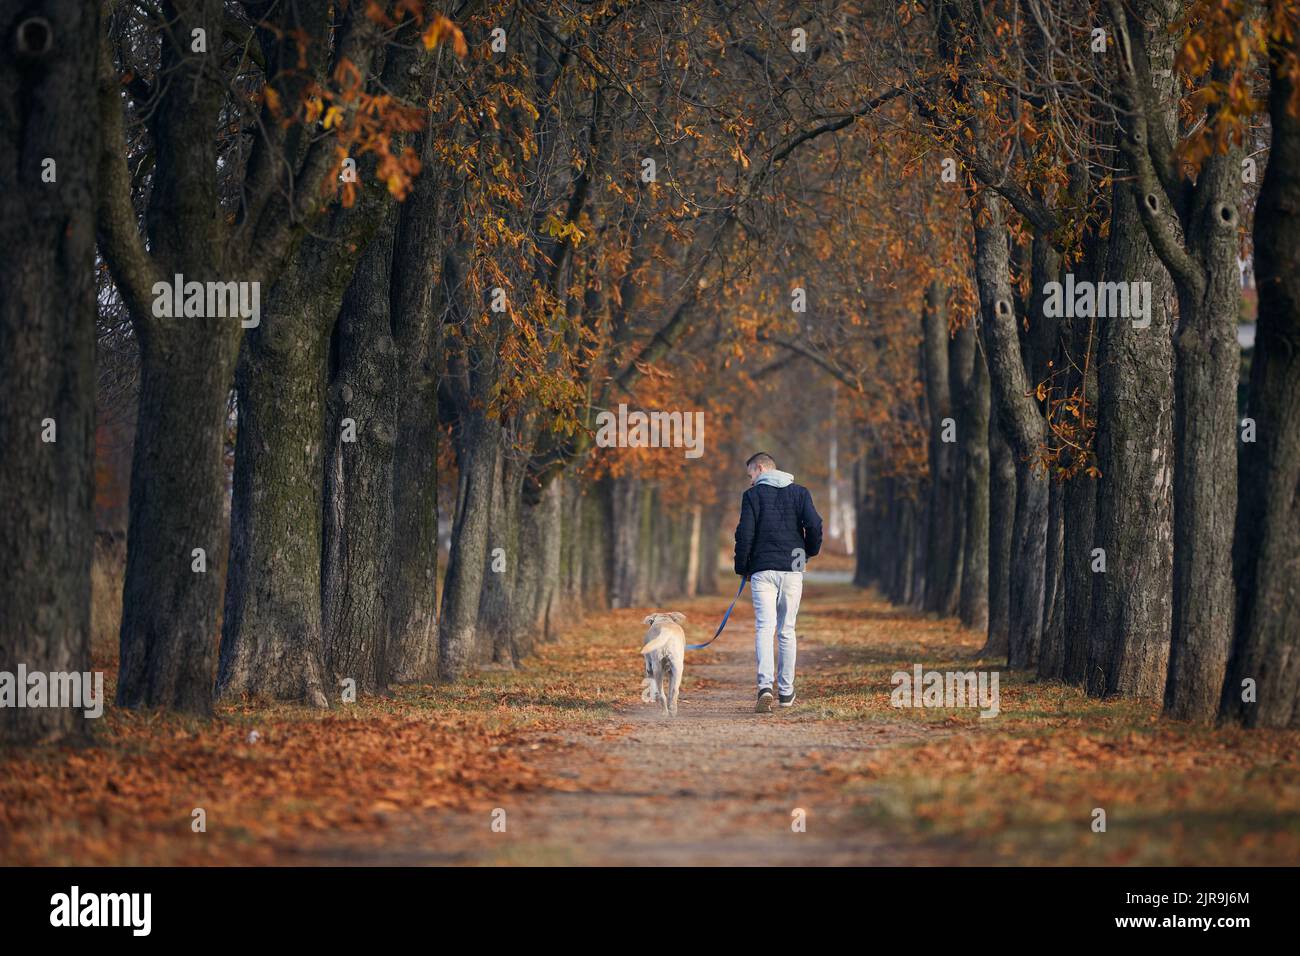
<point x="1267" y="548"/>
<point x="536" y="585"/>
<point x="170" y="610"/>
<point x="975" y="487"/>
<point x="1193" y="228"/>
<point x="1131" y="604"/>
<point x="413" y="628"/>
<point x="477" y="447"/>
<point x="1022" y="424"/>
<point x="1002" y="514"/>
<point x="1076" y="572"/>
<point x="1205" y="492"/>
<point x="710" y="536"/>
<point x="1028" y="566"/>
<point x="943" y="517"/>
<point x="503" y="560"/>
<point x="691" y="585"/>
<point x="1080" y="499"/>
<point x="358" y="554"/>
<point x="573" y="527"/>
<point x="271" y="640"/>
<point x="551" y="606"/>
<point x="862" y="564"/>
<point x="598" y="550"/>
<point x="47" y="353"/>
<point x="625" y="518"/>
<point x="1051" y="655"/>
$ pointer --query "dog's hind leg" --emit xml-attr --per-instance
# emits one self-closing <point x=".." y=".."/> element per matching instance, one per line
<point x="659" y="679"/>
<point x="650" y="692"/>
<point x="675" y="675"/>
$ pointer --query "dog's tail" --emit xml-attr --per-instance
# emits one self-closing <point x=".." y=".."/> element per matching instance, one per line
<point x="656" y="642"/>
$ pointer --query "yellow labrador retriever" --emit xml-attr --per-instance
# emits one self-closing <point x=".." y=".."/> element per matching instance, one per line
<point x="664" y="650"/>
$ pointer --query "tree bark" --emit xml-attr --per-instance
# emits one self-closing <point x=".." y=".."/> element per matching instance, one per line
<point x="170" y="611"/>
<point x="625" y="517"/>
<point x="1131" y="603"/>
<point x="1267" y="547"/>
<point x="272" y="641"/>
<point x="710" y="534"/>
<point x="975" y="486"/>
<point x="477" y="442"/>
<point x="356" y="579"/>
<point x="47" y="352"/>
<point x="551" y="605"/>
<point x="1002" y="514"/>
<point x="497" y="614"/>
<point x="943" y="517"/>
<point x="1193" y="228"/>
<point x="1051" y="655"/>
<point x="413" y="629"/>
<point x="1022" y="425"/>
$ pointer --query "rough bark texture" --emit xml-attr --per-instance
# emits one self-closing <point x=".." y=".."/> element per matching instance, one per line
<point x="975" y="486"/>
<point x="1028" y="580"/>
<point x="413" y="630"/>
<point x="271" y="639"/>
<point x="573" y="527"/>
<point x="1080" y="507"/>
<point x="943" y="516"/>
<point x="356" y="583"/>
<point x="47" y="342"/>
<point x="1079" y="341"/>
<point x="536" y="587"/>
<point x="170" y="612"/>
<point x="1002" y="514"/>
<point x="1205" y="482"/>
<point x="1051" y="654"/>
<point x="1193" y="228"/>
<point x="503" y="558"/>
<point x="1040" y="351"/>
<point x="1023" y="426"/>
<point x="1267" y="548"/>
<point x="550" y="604"/>
<point x="1131" y="604"/>
<point x="477" y="440"/>
<point x="1080" y="511"/>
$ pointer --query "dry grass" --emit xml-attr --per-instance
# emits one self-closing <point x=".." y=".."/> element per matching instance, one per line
<point x="1022" y="787"/>
<point x="1019" y="788"/>
<point x="127" y="796"/>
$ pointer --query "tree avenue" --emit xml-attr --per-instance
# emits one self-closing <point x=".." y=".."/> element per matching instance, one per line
<point x="439" y="325"/>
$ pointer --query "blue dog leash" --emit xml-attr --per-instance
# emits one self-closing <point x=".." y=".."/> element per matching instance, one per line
<point x="696" y="647"/>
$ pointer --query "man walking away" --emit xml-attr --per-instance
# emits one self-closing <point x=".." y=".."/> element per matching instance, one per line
<point x="779" y="530"/>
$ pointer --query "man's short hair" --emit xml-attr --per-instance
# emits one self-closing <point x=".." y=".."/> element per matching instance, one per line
<point x="762" y="460"/>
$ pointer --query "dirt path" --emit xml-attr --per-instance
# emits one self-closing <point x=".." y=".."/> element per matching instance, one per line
<point x="718" y="784"/>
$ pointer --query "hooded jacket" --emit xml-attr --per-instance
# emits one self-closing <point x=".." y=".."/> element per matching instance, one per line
<point x="777" y="520"/>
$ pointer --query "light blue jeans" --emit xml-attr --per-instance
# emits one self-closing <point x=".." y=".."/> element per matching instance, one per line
<point x="776" y="605"/>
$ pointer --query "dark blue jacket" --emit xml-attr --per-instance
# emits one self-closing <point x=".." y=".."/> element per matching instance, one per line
<point x="774" y="522"/>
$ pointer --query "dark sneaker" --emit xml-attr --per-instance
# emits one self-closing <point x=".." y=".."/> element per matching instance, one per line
<point x="764" y="705"/>
<point x="787" y="700"/>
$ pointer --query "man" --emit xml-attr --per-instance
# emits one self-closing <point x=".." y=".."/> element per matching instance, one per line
<point x="779" y="530"/>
